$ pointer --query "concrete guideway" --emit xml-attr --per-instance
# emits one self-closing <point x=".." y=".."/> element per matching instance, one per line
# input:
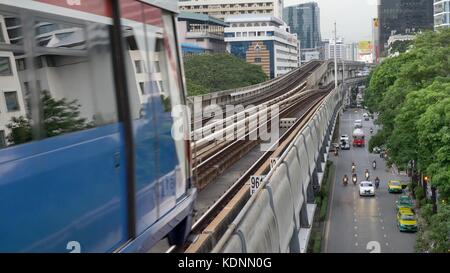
<point x="277" y="218"/>
<point x="363" y="224"/>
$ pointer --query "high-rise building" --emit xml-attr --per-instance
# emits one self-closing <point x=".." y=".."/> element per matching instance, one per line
<point x="403" y="17"/>
<point x="347" y="52"/>
<point x="331" y="46"/>
<point x="376" y="40"/>
<point x="441" y="13"/>
<point x="199" y="33"/>
<point x="263" y="40"/>
<point x="304" y="19"/>
<point x="223" y="8"/>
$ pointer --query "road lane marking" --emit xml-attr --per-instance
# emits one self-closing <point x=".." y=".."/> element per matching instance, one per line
<point x="385" y="235"/>
<point x="356" y="244"/>
<point x="382" y="227"/>
<point x="356" y="227"/>
<point x="356" y="235"/>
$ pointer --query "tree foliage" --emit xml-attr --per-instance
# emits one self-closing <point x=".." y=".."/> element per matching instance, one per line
<point x="214" y="72"/>
<point x="411" y="92"/>
<point x="59" y="117"/>
<point x="400" y="46"/>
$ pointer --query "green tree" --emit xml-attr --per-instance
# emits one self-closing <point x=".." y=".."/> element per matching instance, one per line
<point x="20" y="130"/>
<point x="402" y="143"/>
<point x="59" y="117"/>
<point x="400" y="46"/>
<point x="412" y="94"/>
<point x="214" y="72"/>
<point x="434" y="144"/>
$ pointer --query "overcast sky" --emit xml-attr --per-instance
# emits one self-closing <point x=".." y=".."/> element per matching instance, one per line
<point x="353" y="17"/>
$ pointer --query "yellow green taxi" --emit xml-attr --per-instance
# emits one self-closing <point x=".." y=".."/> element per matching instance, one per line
<point x="404" y="201"/>
<point x="406" y="220"/>
<point x="394" y="186"/>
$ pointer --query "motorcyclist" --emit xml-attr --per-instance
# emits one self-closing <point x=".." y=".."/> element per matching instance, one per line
<point x="366" y="172"/>
<point x="353" y="167"/>
<point x="371" y="130"/>
<point x="345" y="179"/>
<point x="377" y="182"/>
<point x="354" y="178"/>
<point x="374" y="164"/>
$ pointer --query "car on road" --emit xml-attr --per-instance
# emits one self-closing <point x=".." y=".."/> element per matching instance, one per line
<point x="366" y="116"/>
<point x="404" y="201"/>
<point x="345" y="142"/>
<point x="366" y="188"/>
<point x="357" y="123"/>
<point x="406" y="220"/>
<point x="395" y="186"/>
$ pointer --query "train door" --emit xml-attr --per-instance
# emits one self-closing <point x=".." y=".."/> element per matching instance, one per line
<point x="154" y="87"/>
<point x="62" y="172"/>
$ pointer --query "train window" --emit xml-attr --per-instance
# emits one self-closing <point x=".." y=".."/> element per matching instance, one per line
<point x="65" y="130"/>
<point x="70" y="75"/>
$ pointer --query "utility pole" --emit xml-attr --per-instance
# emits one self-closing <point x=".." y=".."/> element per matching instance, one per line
<point x="335" y="57"/>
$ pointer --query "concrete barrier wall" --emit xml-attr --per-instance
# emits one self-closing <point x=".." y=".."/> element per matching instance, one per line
<point x="274" y="216"/>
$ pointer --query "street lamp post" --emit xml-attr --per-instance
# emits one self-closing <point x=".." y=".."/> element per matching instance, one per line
<point x="335" y="57"/>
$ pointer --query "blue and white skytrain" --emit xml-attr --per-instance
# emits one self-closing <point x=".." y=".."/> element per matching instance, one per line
<point x="87" y="159"/>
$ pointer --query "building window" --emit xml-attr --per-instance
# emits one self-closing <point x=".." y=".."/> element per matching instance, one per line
<point x="157" y="67"/>
<point x="12" y="103"/>
<point x="5" y="67"/>
<point x="2" y="39"/>
<point x="138" y="65"/>
<point x="161" y="86"/>
<point x="257" y="60"/>
<point x="2" y="139"/>
<point x="21" y="65"/>
<point x="141" y="85"/>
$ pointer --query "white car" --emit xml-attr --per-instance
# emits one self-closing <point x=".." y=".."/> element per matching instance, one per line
<point x="345" y="142"/>
<point x="358" y="123"/>
<point x="366" y="188"/>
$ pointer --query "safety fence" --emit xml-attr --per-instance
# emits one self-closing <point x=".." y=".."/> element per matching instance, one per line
<point x="277" y="213"/>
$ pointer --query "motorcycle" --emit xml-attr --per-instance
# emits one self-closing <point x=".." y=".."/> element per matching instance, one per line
<point x="354" y="179"/>
<point x="374" y="164"/>
<point x="377" y="183"/>
<point x="353" y="168"/>
<point x="367" y="174"/>
<point x="345" y="179"/>
<point x="371" y="130"/>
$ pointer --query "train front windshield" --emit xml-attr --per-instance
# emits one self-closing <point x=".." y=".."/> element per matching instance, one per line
<point x="64" y="146"/>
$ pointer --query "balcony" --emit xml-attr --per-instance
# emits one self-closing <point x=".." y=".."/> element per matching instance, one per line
<point x="204" y="34"/>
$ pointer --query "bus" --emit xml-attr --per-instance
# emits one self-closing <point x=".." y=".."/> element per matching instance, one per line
<point x="88" y="162"/>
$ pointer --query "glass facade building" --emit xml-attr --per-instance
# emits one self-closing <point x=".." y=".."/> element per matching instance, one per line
<point x="441" y="13"/>
<point x="403" y="17"/>
<point x="304" y="20"/>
